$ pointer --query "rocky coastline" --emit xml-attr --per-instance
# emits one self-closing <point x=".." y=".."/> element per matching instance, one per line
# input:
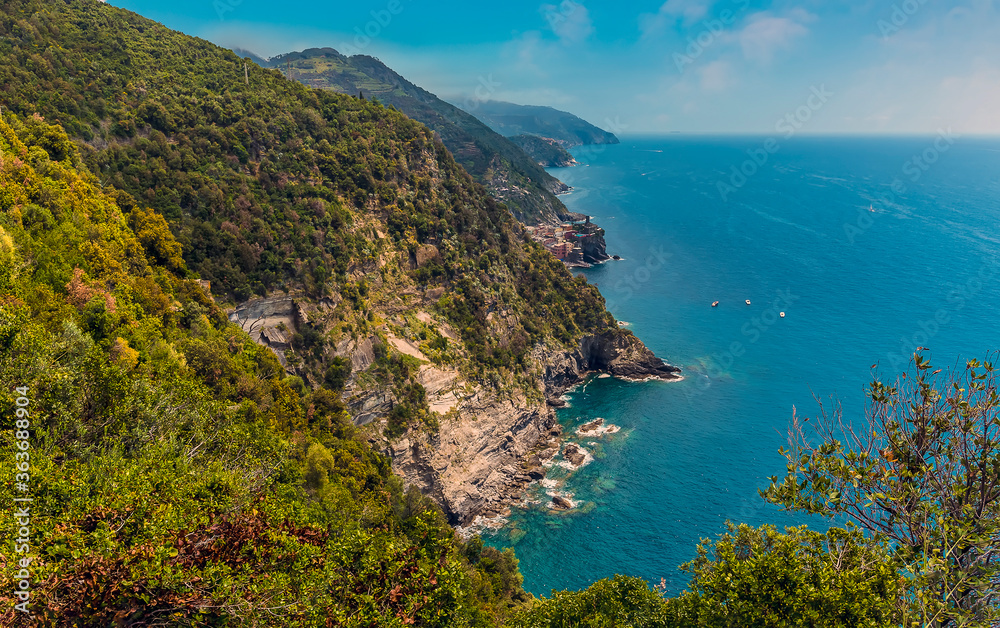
<point x="477" y="466"/>
<point x="489" y="444"/>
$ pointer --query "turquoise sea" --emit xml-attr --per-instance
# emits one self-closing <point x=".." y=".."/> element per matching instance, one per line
<point x="871" y="246"/>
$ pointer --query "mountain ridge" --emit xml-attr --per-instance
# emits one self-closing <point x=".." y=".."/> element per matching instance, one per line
<point x="509" y="119"/>
<point x="510" y="175"/>
<point x="406" y="286"/>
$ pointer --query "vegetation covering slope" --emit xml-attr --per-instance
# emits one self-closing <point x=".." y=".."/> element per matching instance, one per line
<point x="547" y="152"/>
<point x="509" y="119"/>
<point x="271" y="185"/>
<point x="178" y="476"/>
<point x="491" y="159"/>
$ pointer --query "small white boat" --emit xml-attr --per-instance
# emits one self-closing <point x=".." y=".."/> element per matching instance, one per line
<point x="715" y="304"/>
<point x="748" y="301"/>
<point x="782" y="315"/>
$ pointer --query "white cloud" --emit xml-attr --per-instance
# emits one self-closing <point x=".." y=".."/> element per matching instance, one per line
<point x="765" y="34"/>
<point x="570" y="21"/>
<point x="970" y="101"/>
<point x="687" y="11"/>
<point x="716" y="76"/>
<point x="883" y="118"/>
<point x="523" y="54"/>
<point x="941" y="69"/>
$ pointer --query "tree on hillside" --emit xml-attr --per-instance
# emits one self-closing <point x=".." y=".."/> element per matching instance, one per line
<point x="760" y="577"/>
<point x="747" y="578"/>
<point x="922" y="469"/>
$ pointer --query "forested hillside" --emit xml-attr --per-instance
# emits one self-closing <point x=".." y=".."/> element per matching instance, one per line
<point x="547" y="152"/>
<point x="180" y="474"/>
<point x="179" y="477"/>
<point x="490" y="158"/>
<point x="271" y="185"/>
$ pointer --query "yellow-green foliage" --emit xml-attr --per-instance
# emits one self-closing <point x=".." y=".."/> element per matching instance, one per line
<point x="178" y="477"/>
<point x="154" y="234"/>
<point x="619" y="602"/>
<point x="762" y="577"/>
<point x="749" y="578"/>
<point x="9" y="262"/>
<point x="61" y="209"/>
<point x="270" y="185"/>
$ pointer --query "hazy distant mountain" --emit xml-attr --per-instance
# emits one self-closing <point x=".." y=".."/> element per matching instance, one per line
<point x="261" y="61"/>
<point x="507" y="171"/>
<point x="509" y="120"/>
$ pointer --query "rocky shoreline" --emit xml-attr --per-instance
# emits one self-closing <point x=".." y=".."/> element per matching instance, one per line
<point x="475" y="467"/>
<point x="489" y="445"/>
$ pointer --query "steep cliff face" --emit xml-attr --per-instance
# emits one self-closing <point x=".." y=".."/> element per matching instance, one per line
<point x="473" y="465"/>
<point x="484" y="455"/>
<point x="615" y="352"/>
<point x="595" y="249"/>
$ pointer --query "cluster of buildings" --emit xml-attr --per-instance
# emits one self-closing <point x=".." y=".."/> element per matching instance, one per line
<point x="572" y="243"/>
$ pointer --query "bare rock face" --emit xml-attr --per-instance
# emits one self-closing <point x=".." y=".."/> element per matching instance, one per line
<point x="275" y="338"/>
<point x="489" y="447"/>
<point x="592" y="244"/>
<point x="426" y="253"/>
<point x="271" y="322"/>
<point x="483" y="460"/>
<point x="561" y="503"/>
<point x="574" y="454"/>
<point x="615" y="352"/>
<point x="472" y="465"/>
<point x="367" y="408"/>
<point x="535" y="469"/>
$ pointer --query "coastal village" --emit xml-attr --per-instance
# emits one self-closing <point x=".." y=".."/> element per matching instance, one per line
<point x="576" y="244"/>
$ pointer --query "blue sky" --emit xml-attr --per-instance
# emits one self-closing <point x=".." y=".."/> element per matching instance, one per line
<point x="726" y="66"/>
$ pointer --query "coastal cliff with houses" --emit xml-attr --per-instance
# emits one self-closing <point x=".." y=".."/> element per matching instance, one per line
<point x="577" y="244"/>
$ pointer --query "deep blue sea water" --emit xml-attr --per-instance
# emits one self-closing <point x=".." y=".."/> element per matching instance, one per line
<point x="859" y="287"/>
